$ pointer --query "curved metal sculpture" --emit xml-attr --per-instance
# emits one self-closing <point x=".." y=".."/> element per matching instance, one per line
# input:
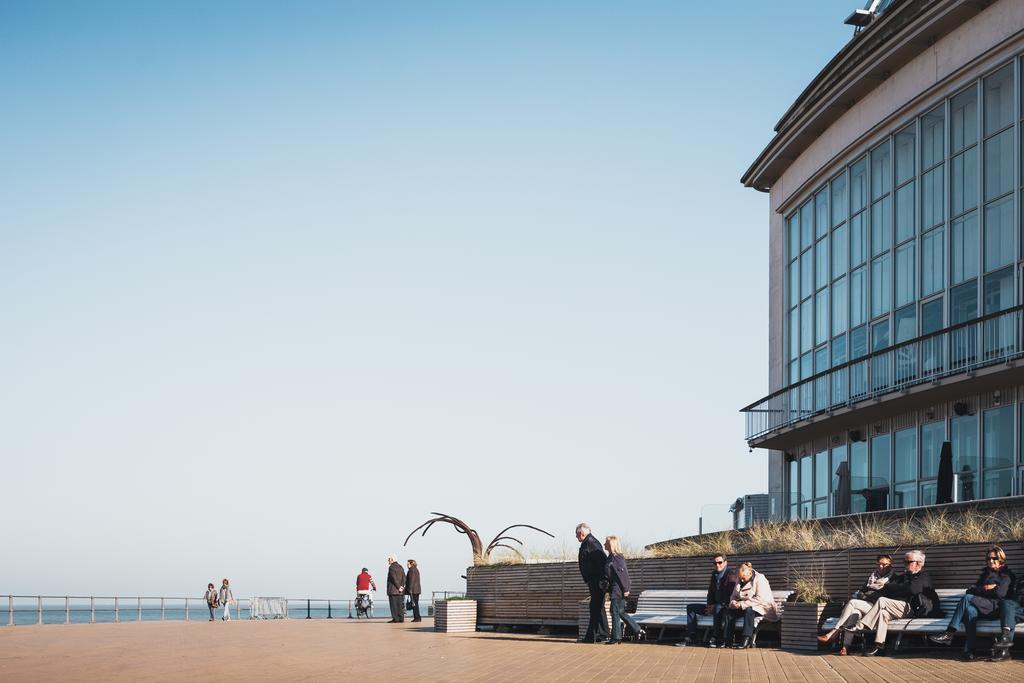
<point x="479" y="552"/>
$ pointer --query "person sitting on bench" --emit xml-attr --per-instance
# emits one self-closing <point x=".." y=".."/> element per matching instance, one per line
<point x="752" y="600"/>
<point x="982" y="601"/>
<point x="860" y="603"/>
<point x="720" y="587"/>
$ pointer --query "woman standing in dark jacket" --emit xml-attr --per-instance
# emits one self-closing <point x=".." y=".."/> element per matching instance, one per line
<point x="618" y="585"/>
<point x="982" y="600"/>
<point x="412" y="589"/>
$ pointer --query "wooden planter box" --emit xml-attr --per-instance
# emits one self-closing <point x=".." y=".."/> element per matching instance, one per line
<point x="800" y="625"/>
<point x="455" y="616"/>
<point x="584" y="616"/>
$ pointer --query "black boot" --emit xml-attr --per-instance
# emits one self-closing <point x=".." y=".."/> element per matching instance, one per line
<point x="944" y="638"/>
<point x="876" y="650"/>
<point x="1003" y="641"/>
<point x="747" y="642"/>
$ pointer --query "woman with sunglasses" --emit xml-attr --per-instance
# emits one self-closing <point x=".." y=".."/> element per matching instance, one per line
<point x="982" y="601"/>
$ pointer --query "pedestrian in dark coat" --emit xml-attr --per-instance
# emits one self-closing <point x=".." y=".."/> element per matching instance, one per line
<point x="618" y="581"/>
<point x="592" y="560"/>
<point x="983" y="600"/>
<point x="396" y="588"/>
<point x="412" y="589"/>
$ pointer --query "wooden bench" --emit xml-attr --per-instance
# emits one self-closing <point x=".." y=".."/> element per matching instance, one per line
<point x="666" y="609"/>
<point x="926" y="626"/>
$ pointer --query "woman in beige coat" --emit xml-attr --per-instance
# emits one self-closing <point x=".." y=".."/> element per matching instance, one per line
<point x="752" y="601"/>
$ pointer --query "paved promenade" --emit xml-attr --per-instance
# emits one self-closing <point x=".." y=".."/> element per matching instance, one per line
<point x="297" y="650"/>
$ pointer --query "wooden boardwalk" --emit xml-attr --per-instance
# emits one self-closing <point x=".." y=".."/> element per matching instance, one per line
<point x="348" y="650"/>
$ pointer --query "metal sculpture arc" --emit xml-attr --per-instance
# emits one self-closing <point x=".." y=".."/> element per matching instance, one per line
<point x="500" y="540"/>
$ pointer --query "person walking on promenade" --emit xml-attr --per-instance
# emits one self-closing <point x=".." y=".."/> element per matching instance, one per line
<point x="591" y="560"/>
<point x="412" y="589"/>
<point x="752" y="600"/>
<point x="211" y="599"/>
<point x="905" y="595"/>
<point x="983" y="600"/>
<point x="396" y="586"/>
<point x="226" y="598"/>
<point x="720" y="587"/>
<point x="616" y="574"/>
<point x="860" y="603"/>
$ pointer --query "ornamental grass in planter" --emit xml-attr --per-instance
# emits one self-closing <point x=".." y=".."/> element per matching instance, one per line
<point x="802" y="616"/>
<point x="455" y="615"/>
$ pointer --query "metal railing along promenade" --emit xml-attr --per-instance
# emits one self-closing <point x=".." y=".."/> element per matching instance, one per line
<point x="71" y="609"/>
<point x="963" y="348"/>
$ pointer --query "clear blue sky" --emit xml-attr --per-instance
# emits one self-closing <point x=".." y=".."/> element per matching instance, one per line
<point x="279" y="279"/>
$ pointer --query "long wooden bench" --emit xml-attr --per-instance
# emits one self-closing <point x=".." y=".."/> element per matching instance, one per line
<point x="926" y="626"/>
<point x="666" y="609"/>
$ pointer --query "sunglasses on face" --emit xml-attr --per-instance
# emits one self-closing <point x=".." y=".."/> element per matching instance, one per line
<point x="719" y="561"/>
<point x="992" y="558"/>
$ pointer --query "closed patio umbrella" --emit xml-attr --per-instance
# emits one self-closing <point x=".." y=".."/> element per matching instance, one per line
<point x="842" y="494"/>
<point x="944" y="484"/>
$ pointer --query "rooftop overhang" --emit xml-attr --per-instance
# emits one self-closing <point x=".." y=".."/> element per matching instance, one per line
<point x="907" y="28"/>
<point x="871" y="410"/>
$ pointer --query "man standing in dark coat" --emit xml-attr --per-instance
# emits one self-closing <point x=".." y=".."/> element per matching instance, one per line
<point x="396" y="587"/>
<point x="592" y="559"/>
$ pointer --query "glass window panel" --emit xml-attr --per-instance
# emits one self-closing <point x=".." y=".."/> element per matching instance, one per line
<point x="806" y="326"/>
<point x="839" y="306"/>
<point x="931" y="316"/>
<point x="838" y="350"/>
<point x="964" y="436"/>
<point x="821" y="222"/>
<point x="821" y="265"/>
<point x="794" y="371"/>
<point x="904" y="496"/>
<point x="806" y="478"/>
<point x="881" y="226"/>
<point x="840" y="251"/>
<point x="880" y="180"/>
<point x="858" y="240"/>
<point x="821" y="360"/>
<point x="963" y="182"/>
<point x="963" y="303"/>
<point x="880" y="336"/>
<point x="932" y="149"/>
<point x="963" y="120"/>
<point x="999" y="99"/>
<point x="859" y="482"/>
<point x="858" y="342"/>
<point x="905" y="155"/>
<point x="905" y="452"/>
<point x="932" y="261"/>
<point x="794" y="333"/>
<point x="932" y="186"/>
<point x="905" y="322"/>
<point x="806" y="366"/>
<point x="881" y="462"/>
<point x="999" y="249"/>
<point x="999" y="165"/>
<point x="806" y="274"/>
<point x="806" y="225"/>
<point x="858" y="186"/>
<point x="839" y="202"/>
<point x="794" y="482"/>
<point x="858" y="297"/>
<point x="964" y="255"/>
<point x="821" y="324"/>
<point x="881" y="285"/>
<point x="821" y="474"/>
<point x="998" y="483"/>
<point x="905" y="202"/>
<point x="928" y="490"/>
<point x="932" y="436"/>
<point x="999" y="292"/>
<point x="997" y="426"/>
<point x="905" y="274"/>
<point x="794" y="235"/>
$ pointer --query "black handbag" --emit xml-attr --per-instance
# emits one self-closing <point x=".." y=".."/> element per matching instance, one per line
<point x="408" y="605"/>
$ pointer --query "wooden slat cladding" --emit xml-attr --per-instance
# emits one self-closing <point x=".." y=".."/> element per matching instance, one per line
<point x="550" y="593"/>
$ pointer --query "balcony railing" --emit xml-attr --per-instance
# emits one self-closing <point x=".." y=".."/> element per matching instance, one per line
<point x="989" y="340"/>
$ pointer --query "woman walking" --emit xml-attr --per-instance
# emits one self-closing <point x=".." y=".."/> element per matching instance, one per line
<point x="412" y="589"/>
<point x="211" y="599"/>
<point x="618" y="584"/>
<point x="226" y="598"/>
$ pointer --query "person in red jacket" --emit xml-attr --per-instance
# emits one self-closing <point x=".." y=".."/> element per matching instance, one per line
<point x="364" y="583"/>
